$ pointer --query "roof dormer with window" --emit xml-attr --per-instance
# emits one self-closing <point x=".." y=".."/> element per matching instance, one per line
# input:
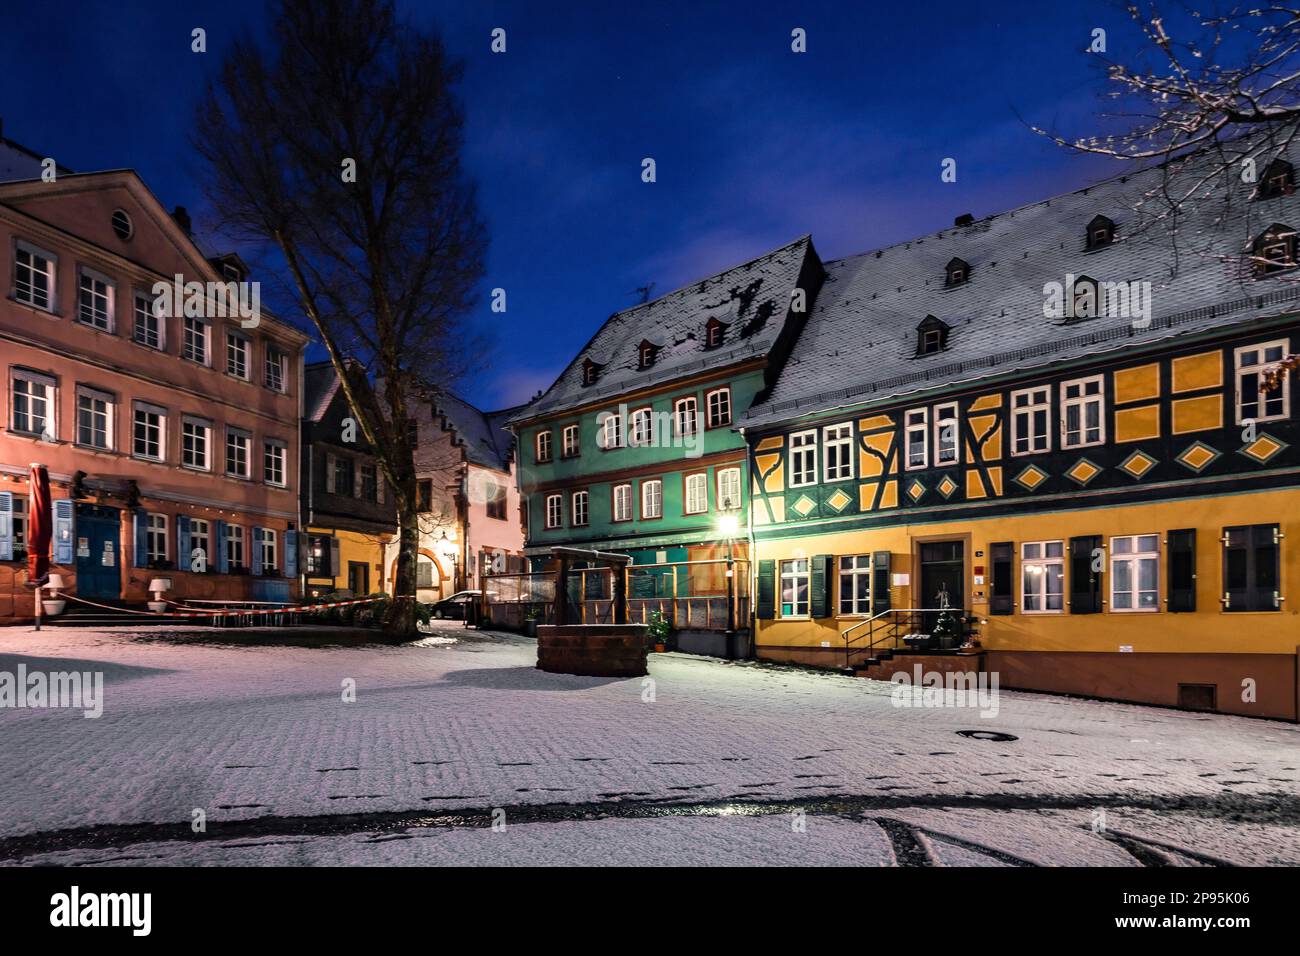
<point x="1278" y="180"/>
<point x="715" y="333"/>
<point x="1101" y="232"/>
<point x="1273" y="250"/>
<point x="590" y="371"/>
<point x="956" y="272"/>
<point x="931" y="336"/>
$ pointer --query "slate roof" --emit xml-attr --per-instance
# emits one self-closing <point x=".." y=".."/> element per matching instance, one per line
<point x="859" y="343"/>
<point x="319" y="386"/>
<point x="486" y="440"/>
<point x="752" y="298"/>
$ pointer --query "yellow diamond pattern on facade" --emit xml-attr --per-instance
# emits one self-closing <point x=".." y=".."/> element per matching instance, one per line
<point x="915" y="489"/>
<point x="1196" y="456"/>
<point x="1137" y="464"/>
<point x="1262" y="448"/>
<point x="947" y="487"/>
<point x="838" y="500"/>
<point x="1082" y="471"/>
<point x="804" y="506"/>
<point x="1031" y="477"/>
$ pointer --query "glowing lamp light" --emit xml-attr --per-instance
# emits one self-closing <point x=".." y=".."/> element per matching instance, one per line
<point x="729" y="525"/>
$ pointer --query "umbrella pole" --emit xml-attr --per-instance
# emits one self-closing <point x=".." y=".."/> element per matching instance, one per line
<point x="38" y="607"/>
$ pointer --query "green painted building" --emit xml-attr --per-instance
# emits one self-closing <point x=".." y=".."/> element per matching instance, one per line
<point x="635" y="448"/>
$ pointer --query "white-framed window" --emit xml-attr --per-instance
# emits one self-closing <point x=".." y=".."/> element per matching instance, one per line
<point x="194" y="339"/>
<point x="196" y="443"/>
<point x="34" y="403"/>
<point x="200" y="545"/>
<point x="149" y="328"/>
<point x="1083" y="412"/>
<point x="611" y="427"/>
<point x="686" y="415"/>
<point x="544" y="446"/>
<point x="570" y="447"/>
<point x="696" y="494"/>
<point x="270" y="555"/>
<point x="34" y="276"/>
<point x="1031" y="417"/>
<point x="1042" y="577"/>
<point x="554" y="510"/>
<point x="652" y="498"/>
<point x="640" y="427"/>
<point x="94" y="418"/>
<point x="19" y="525"/>
<point x="236" y="355"/>
<point x="837" y="452"/>
<point x="945" y="434"/>
<point x="1253" y="402"/>
<point x="95" y="299"/>
<point x="803" y="459"/>
<point x="795" y="584"/>
<point x="276" y="365"/>
<point x="728" y="489"/>
<point x="1135" y="573"/>
<point x="148" y="431"/>
<point x="916" y="433"/>
<point x="579" y="506"/>
<point x="718" y="403"/>
<point x="156" y="538"/>
<point x="234" y="546"/>
<point x="274" y="455"/>
<point x="622" y="502"/>
<point x="855" y="584"/>
<point x="237" y="446"/>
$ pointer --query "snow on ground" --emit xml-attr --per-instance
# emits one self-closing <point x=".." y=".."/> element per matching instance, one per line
<point x="246" y="732"/>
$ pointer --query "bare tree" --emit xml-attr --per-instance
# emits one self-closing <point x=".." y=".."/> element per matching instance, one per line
<point x="1212" y="97"/>
<point x="339" y="146"/>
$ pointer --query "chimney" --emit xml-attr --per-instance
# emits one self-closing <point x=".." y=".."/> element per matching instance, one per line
<point x="183" y="220"/>
<point x="965" y="219"/>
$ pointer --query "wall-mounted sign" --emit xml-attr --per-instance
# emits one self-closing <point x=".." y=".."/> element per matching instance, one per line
<point x="902" y="580"/>
<point x="83" y="547"/>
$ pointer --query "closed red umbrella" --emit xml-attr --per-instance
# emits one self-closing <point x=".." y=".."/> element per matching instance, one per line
<point x="40" y="526"/>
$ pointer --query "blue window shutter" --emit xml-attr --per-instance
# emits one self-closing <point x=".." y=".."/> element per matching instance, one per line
<point x="291" y="554"/>
<point x="6" y="526"/>
<point x="63" y="531"/>
<point x="183" y="547"/>
<point x="219" y="542"/>
<point x="257" y="551"/>
<point x="141" y="538"/>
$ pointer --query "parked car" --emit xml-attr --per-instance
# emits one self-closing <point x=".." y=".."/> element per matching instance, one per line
<point x="456" y="607"/>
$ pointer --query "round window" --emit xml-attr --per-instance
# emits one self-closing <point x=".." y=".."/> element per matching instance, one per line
<point x="122" y="225"/>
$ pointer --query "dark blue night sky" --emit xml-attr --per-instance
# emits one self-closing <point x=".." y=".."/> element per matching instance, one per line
<point x="755" y="145"/>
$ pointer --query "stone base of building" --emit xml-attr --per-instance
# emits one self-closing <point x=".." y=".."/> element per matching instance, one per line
<point x="1249" y="685"/>
<point x="732" y="647"/>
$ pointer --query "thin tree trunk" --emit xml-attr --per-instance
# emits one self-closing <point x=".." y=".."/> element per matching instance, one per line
<point x="400" y="618"/>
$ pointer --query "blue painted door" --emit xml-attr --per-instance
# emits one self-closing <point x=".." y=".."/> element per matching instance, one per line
<point x="98" y="548"/>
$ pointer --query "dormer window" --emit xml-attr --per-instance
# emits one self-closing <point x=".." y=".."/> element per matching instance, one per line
<point x="956" y="272"/>
<point x="1278" y="180"/>
<point x="590" y="371"/>
<point x="1084" y="298"/>
<point x="646" y="352"/>
<point x="1274" y="251"/>
<point x="1101" y="232"/>
<point x="715" y="332"/>
<point x="931" y="336"/>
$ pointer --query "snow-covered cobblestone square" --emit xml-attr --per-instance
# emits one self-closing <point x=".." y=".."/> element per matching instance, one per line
<point x="708" y="762"/>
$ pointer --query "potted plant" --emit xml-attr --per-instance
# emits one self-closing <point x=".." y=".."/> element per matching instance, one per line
<point x="658" y="631"/>
<point x="530" y="621"/>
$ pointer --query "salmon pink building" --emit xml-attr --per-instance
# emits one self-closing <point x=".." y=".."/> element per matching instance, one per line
<point x="171" y="439"/>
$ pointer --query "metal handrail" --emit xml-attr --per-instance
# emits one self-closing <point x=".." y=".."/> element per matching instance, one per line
<point x="893" y="622"/>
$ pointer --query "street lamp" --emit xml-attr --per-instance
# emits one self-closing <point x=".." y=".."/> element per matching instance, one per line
<point x="447" y="548"/>
<point x="729" y="527"/>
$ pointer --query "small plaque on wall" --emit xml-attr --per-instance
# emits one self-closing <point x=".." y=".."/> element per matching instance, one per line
<point x="902" y="580"/>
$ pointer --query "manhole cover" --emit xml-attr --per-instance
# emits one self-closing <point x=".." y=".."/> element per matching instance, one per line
<point x="986" y="735"/>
